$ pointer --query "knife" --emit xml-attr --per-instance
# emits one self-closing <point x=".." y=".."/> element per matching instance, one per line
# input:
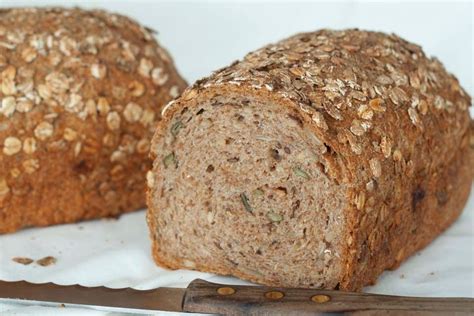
<point x="205" y="297"/>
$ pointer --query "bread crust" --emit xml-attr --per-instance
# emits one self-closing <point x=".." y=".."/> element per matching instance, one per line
<point x="395" y="125"/>
<point x="81" y="92"/>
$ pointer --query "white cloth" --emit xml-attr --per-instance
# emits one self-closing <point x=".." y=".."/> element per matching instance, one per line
<point x="204" y="36"/>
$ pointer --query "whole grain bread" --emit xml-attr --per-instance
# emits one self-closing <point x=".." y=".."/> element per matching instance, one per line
<point x="318" y="161"/>
<point x="81" y="92"/>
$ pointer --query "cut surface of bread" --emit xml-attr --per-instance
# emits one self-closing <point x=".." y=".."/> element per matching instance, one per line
<point x="255" y="188"/>
<point x="319" y="161"/>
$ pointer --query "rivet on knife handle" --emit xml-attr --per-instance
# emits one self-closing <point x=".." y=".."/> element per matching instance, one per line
<point x="206" y="297"/>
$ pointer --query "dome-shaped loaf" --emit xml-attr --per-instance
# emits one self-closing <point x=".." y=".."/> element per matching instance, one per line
<point x="318" y="161"/>
<point x="80" y="92"/>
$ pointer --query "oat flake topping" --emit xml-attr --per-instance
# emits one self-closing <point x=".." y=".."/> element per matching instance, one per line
<point x="79" y="83"/>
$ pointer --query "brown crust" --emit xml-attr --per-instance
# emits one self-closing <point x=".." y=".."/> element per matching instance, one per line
<point x="394" y="123"/>
<point x="81" y="92"/>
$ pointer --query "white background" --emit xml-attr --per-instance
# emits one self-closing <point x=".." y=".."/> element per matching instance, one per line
<point x="203" y="36"/>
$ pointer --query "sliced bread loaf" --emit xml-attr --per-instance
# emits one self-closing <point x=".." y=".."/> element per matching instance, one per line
<point x="318" y="161"/>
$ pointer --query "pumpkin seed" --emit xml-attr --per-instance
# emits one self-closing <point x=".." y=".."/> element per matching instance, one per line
<point x="274" y="217"/>
<point x="176" y="127"/>
<point x="245" y="202"/>
<point x="301" y="173"/>
<point x="169" y="160"/>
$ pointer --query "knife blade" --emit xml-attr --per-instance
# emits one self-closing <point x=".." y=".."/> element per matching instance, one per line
<point x="206" y="297"/>
<point x="100" y="297"/>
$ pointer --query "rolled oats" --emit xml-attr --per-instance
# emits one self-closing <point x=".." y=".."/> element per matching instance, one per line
<point x="148" y="117"/>
<point x="318" y="118"/>
<point x="24" y="105"/>
<point x="98" y="71"/>
<point x="103" y="106"/>
<point x="113" y="121"/>
<point x="365" y="112"/>
<point x="15" y="173"/>
<point x="414" y="117"/>
<point x="158" y="76"/>
<point x="137" y="89"/>
<point x="357" y="128"/>
<point x="174" y="91"/>
<point x="11" y="146"/>
<point x="8" y="80"/>
<point x="77" y="149"/>
<point x="69" y="134"/>
<point x="132" y="112"/>
<point x="29" y="145"/>
<point x="29" y="54"/>
<point x="57" y="82"/>
<point x="386" y="147"/>
<point x="376" y="167"/>
<point x="118" y="156"/>
<point x="8" y="106"/>
<point x="31" y="165"/>
<point x="145" y="67"/>
<point x="4" y="188"/>
<point x="44" y="130"/>
<point x="143" y="146"/>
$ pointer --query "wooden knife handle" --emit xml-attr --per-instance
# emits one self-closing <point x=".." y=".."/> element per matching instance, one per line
<point x="206" y="297"/>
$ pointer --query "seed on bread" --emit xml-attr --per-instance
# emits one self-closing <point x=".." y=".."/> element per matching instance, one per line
<point x="274" y="217"/>
<point x="246" y="202"/>
<point x="103" y="106"/>
<point x="136" y="88"/>
<point x="44" y="130"/>
<point x="158" y="76"/>
<point x="301" y="173"/>
<point x="23" y="105"/>
<point x="98" y="71"/>
<point x="170" y="160"/>
<point x="132" y="112"/>
<point x="11" y="146"/>
<point x="174" y="91"/>
<point x="176" y="127"/>
<point x="31" y="165"/>
<point x="376" y="167"/>
<point x="8" y="106"/>
<point x="143" y="146"/>
<point x="4" y="188"/>
<point x="29" y="145"/>
<point x="113" y="121"/>
<point x="145" y="67"/>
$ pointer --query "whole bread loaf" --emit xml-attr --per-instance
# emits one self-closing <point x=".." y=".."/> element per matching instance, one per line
<point x="318" y="161"/>
<point x="80" y="94"/>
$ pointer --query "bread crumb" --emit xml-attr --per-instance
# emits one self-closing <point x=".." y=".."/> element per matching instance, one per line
<point x="46" y="261"/>
<point x="22" y="260"/>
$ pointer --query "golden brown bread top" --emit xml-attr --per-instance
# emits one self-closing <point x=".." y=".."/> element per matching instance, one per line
<point x="372" y="97"/>
<point x="89" y="84"/>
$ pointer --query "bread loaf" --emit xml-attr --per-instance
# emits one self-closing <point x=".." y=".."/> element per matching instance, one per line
<point x="318" y="161"/>
<point x="81" y="92"/>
